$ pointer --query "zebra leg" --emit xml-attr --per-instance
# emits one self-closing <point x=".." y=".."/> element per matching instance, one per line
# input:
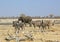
<point x="18" y="30"/>
<point x="48" y="26"/>
<point x="25" y="25"/>
<point x="34" y="26"/>
<point x="30" y="25"/>
<point x="15" y="29"/>
<point x="22" y="28"/>
<point x="52" y="24"/>
<point x="44" y="27"/>
<point x="39" y="27"/>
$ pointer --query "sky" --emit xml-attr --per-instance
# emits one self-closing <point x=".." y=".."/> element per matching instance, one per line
<point x="29" y="7"/>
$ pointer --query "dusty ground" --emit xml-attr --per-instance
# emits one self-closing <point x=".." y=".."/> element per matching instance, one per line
<point x="52" y="34"/>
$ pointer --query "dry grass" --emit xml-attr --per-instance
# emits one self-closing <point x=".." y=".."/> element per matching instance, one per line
<point x="50" y="35"/>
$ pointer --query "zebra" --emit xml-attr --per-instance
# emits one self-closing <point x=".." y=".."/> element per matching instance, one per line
<point x="18" y="25"/>
<point x="36" y="23"/>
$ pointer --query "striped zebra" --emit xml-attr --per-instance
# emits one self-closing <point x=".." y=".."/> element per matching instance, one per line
<point x="18" y="25"/>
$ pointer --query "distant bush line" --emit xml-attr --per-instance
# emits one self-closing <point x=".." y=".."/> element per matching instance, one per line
<point x="32" y="17"/>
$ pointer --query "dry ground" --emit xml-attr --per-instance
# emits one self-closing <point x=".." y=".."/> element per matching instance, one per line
<point x="52" y="34"/>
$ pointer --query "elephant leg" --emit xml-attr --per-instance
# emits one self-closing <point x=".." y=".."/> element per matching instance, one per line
<point x="30" y="24"/>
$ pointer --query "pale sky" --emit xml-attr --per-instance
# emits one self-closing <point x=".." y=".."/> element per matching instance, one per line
<point x="29" y="7"/>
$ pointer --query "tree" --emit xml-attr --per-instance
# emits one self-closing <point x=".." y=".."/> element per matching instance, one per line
<point x="22" y="15"/>
<point x="51" y="15"/>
